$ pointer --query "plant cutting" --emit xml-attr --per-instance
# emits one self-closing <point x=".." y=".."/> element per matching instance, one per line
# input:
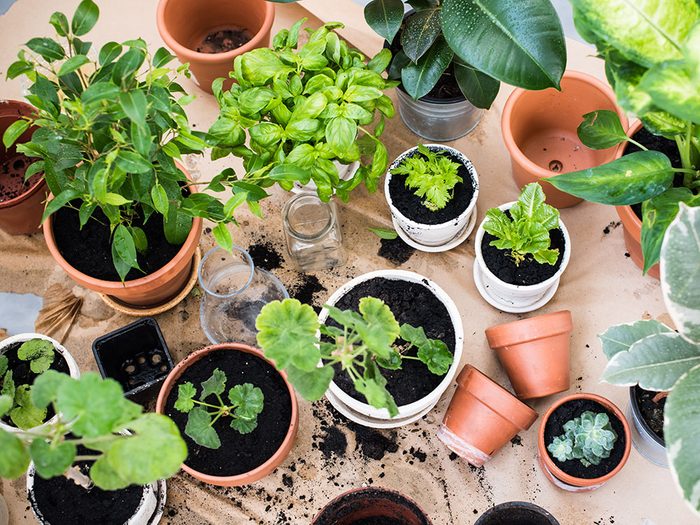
<point x="650" y="60"/>
<point x="439" y="59"/>
<point x="659" y="359"/>
<point x="522" y="248"/>
<point x="313" y="113"/>
<point x="432" y="192"/>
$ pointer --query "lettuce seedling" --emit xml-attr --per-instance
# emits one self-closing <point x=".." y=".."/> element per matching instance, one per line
<point x="433" y="176"/>
<point x="365" y="343"/>
<point x="526" y="231"/>
<point x="247" y="401"/>
<point x="589" y="438"/>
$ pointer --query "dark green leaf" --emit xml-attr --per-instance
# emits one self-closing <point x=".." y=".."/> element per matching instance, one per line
<point x="601" y="129"/>
<point x="385" y="17"/>
<point x="72" y="64"/>
<point x="60" y="23"/>
<point x="479" y="88"/>
<point x="200" y="430"/>
<point x="109" y="52"/>
<point x="85" y="17"/>
<point x="123" y="251"/>
<point x="127" y="64"/>
<point x="49" y="49"/>
<point x="420" y="78"/>
<point x="420" y="31"/>
<point x="135" y="106"/>
<point x="99" y="92"/>
<point x="59" y="201"/>
<point x="14" y="131"/>
<point x="162" y="57"/>
<point x="215" y="385"/>
<point x="177" y="226"/>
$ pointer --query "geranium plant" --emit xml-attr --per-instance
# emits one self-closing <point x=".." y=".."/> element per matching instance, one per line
<point x="651" y="59"/>
<point x="364" y="343"/>
<point x="588" y="438"/>
<point x="304" y="108"/>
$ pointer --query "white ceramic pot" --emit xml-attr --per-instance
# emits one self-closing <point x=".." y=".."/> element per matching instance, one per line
<point x="21" y="338"/>
<point x="512" y="297"/>
<point x="405" y="411"/>
<point x="433" y="234"/>
<point x="345" y="172"/>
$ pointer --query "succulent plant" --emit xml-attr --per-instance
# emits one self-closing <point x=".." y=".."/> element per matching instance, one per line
<point x="589" y="438"/>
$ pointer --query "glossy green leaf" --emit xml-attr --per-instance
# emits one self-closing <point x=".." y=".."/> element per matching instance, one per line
<point x="385" y="17"/>
<point x="160" y="199"/>
<point x="134" y="104"/>
<point x="479" y="89"/>
<point x="673" y="88"/>
<point x="60" y="23"/>
<point x="223" y="238"/>
<point x="340" y="134"/>
<point x="85" y="17"/>
<point x="72" y="64"/>
<point x="109" y="53"/>
<point x="14" y="131"/>
<point x="601" y="129"/>
<point x="621" y="337"/>
<point x="49" y="49"/>
<point x="420" y="31"/>
<point x="420" y="78"/>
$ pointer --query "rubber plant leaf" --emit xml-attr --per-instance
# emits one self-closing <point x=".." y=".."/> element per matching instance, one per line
<point x="385" y="17"/>
<point x="420" y="30"/>
<point x="420" y="78"/>
<point x="621" y="337"/>
<point x="479" y="88"/>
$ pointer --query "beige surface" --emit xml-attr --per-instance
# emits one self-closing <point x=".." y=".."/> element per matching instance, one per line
<point x="601" y="287"/>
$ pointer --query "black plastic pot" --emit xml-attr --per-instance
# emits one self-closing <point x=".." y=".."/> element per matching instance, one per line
<point x="516" y="513"/>
<point x="135" y="355"/>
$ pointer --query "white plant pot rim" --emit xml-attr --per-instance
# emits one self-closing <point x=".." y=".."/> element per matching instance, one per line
<point x="544" y="284"/>
<point x="467" y="164"/>
<point x="423" y="403"/>
<point x="21" y="338"/>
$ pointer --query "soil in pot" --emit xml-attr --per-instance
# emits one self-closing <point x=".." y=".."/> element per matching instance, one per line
<point x="555" y="427"/>
<point x="239" y="453"/>
<point x="414" y="304"/>
<point x="224" y="40"/>
<point x="652" y="411"/>
<point x="410" y="205"/>
<point x="514" y="515"/>
<point x="12" y="170"/>
<point x="389" y="508"/>
<point x="90" y="250"/>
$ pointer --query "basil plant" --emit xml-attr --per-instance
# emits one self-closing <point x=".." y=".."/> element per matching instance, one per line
<point x="305" y="111"/>
<point x="651" y="52"/>
<point x="519" y="42"/>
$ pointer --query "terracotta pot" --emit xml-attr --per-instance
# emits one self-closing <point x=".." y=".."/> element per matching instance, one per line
<point x="22" y="214"/>
<point x="539" y="130"/>
<point x="560" y="478"/>
<point x="153" y="289"/>
<point x="371" y="503"/>
<point x="534" y="353"/>
<point x="184" y="24"/>
<point x="276" y="459"/>
<point x="482" y="417"/>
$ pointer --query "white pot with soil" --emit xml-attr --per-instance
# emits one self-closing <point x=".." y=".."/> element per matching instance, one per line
<point x="415" y="300"/>
<point x="416" y="220"/>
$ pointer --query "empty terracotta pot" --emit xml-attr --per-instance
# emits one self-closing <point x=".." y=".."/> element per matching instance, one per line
<point x="184" y="25"/>
<point x="534" y="353"/>
<point x="22" y="213"/>
<point x="482" y="417"/>
<point x="371" y="505"/>
<point x="539" y="130"/>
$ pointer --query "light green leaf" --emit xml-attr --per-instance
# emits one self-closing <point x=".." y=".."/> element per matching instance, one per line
<point x="185" y="396"/>
<point x="52" y="459"/>
<point x="6" y="403"/>
<point x="248" y="399"/>
<point x="222" y="236"/>
<point x="311" y="384"/>
<point x="39" y="352"/>
<point x="160" y="199"/>
<point x="14" y="460"/>
<point x="621" y="337"/>
<point x="244" y="426"/>
<point x="381" y="328"/>
<point x="673" y="88"/>
<point x="25" y="415"/>
<point x="384" y="233"/>
<point x="72" y="64"/>
<point x="14" y="131"/>
<point x="340" y="134"/>
<point x="46" y="387"/>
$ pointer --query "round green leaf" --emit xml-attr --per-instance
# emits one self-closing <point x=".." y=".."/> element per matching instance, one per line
<point x="52" y="460"/>
<point x="385" y="17"/>
<point x="14" y="459"/>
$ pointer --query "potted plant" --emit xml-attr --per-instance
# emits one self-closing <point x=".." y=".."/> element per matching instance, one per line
<point x="651" y="78"/>
<point x="482" y="417"/>
<point x="651" y="355"/>
<point x="99" y="457"/>
<point x="121" y="217"/>
<point x="24" y="358"/>
<point x="522" y="249"/>
<point x="445" y="74"/>
<point x="21" y="198"/>
<point x="374" y="347"/>
<point x="516" y="512"/>
<point x="371" y="505"/>
<point x="432" y="192"/>
<point x="534" y="353"/>
<point x="583" y="441"/>
<point x="238" y="414"/>
<point x="543" y="143"/>
<point x="308" y="113"/>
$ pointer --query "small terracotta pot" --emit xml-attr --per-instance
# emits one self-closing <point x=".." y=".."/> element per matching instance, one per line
<point x="21" y="215"/>
<point x="276" y="459"/>
<point x="153" y="289"/>
<point x="534" y="353"/>
<point x="371" y="503"/>
<point x="482" y="417"/>
<point x="560" y="478"/>
<point x="184" y="24"/>
<point x="539" y="129"/>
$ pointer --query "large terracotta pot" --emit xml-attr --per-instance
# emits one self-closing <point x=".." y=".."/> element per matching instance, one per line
<point x="152" y="290"/>
<point x="560" y="478"/>
<point x="22" y="214"/>
<point x="539" y="130"/>
<point x="482" y="417"/>
<point x="276" y="459"/>
<point x="534" y="353"/>
<point x="183" y="24"/>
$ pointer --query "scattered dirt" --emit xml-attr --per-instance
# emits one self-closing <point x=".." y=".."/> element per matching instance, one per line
<point x="305" y="290"/>
<point x="395" y="251"/>
<point x="610" y="227"/>
<point x="224" y="40"/>
<point x="265" y="255"/>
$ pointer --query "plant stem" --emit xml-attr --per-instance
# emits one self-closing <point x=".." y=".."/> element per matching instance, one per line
<point x="206" y="404"/>
<point x="640" y="146"/>
<point x="88" y="457"/>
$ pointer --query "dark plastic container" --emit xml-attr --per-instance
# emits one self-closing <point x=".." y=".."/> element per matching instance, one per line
<point x="135" y="355"/>
<point x="516" y="513"/>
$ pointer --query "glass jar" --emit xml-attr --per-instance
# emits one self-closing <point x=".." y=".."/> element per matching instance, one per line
<point x="312" y="231"/>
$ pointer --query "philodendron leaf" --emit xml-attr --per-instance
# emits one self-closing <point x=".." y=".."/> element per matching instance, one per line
<point x="215" y="385"/>
<point x="516" y="54"/>
<point x="479" y="88"/>
<point x="419" y="78"/>
<point x="601" y="129"/>
<point x="621" y="337"/>
<point x="419" y="32"/>
<point x="654" y="363"/>
<point x="680" y="272"/>
<point x="39" y="352"/>
<point x="630" y="179"/>
<point x="52" y="459"/>
<point x="681" y="423"/>
<point x="385" y="17"/>
<point x="14" y="460"/>
<point x="200" y="430"/>
<point x="311" y="384"/>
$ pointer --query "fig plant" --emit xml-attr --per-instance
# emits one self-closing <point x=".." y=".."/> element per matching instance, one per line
<point x="589" y="438"/>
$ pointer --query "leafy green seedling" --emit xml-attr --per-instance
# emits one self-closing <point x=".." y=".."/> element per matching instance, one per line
<point x="365" y="343"/>
<point x="246" y="402"/>
<point x="433" y="174"/>
<point x="39" y="352"/>
<point x="589" y="438"/>
<point x="526" y="231"/>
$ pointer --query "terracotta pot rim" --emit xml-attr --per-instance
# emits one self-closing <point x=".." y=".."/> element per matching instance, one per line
<point x="515" y="96"/>
<point x="272" y="461"/>
<point x="560" y="474"/>
<point x="532" y="329"/>
<point x="213" y="58"/>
